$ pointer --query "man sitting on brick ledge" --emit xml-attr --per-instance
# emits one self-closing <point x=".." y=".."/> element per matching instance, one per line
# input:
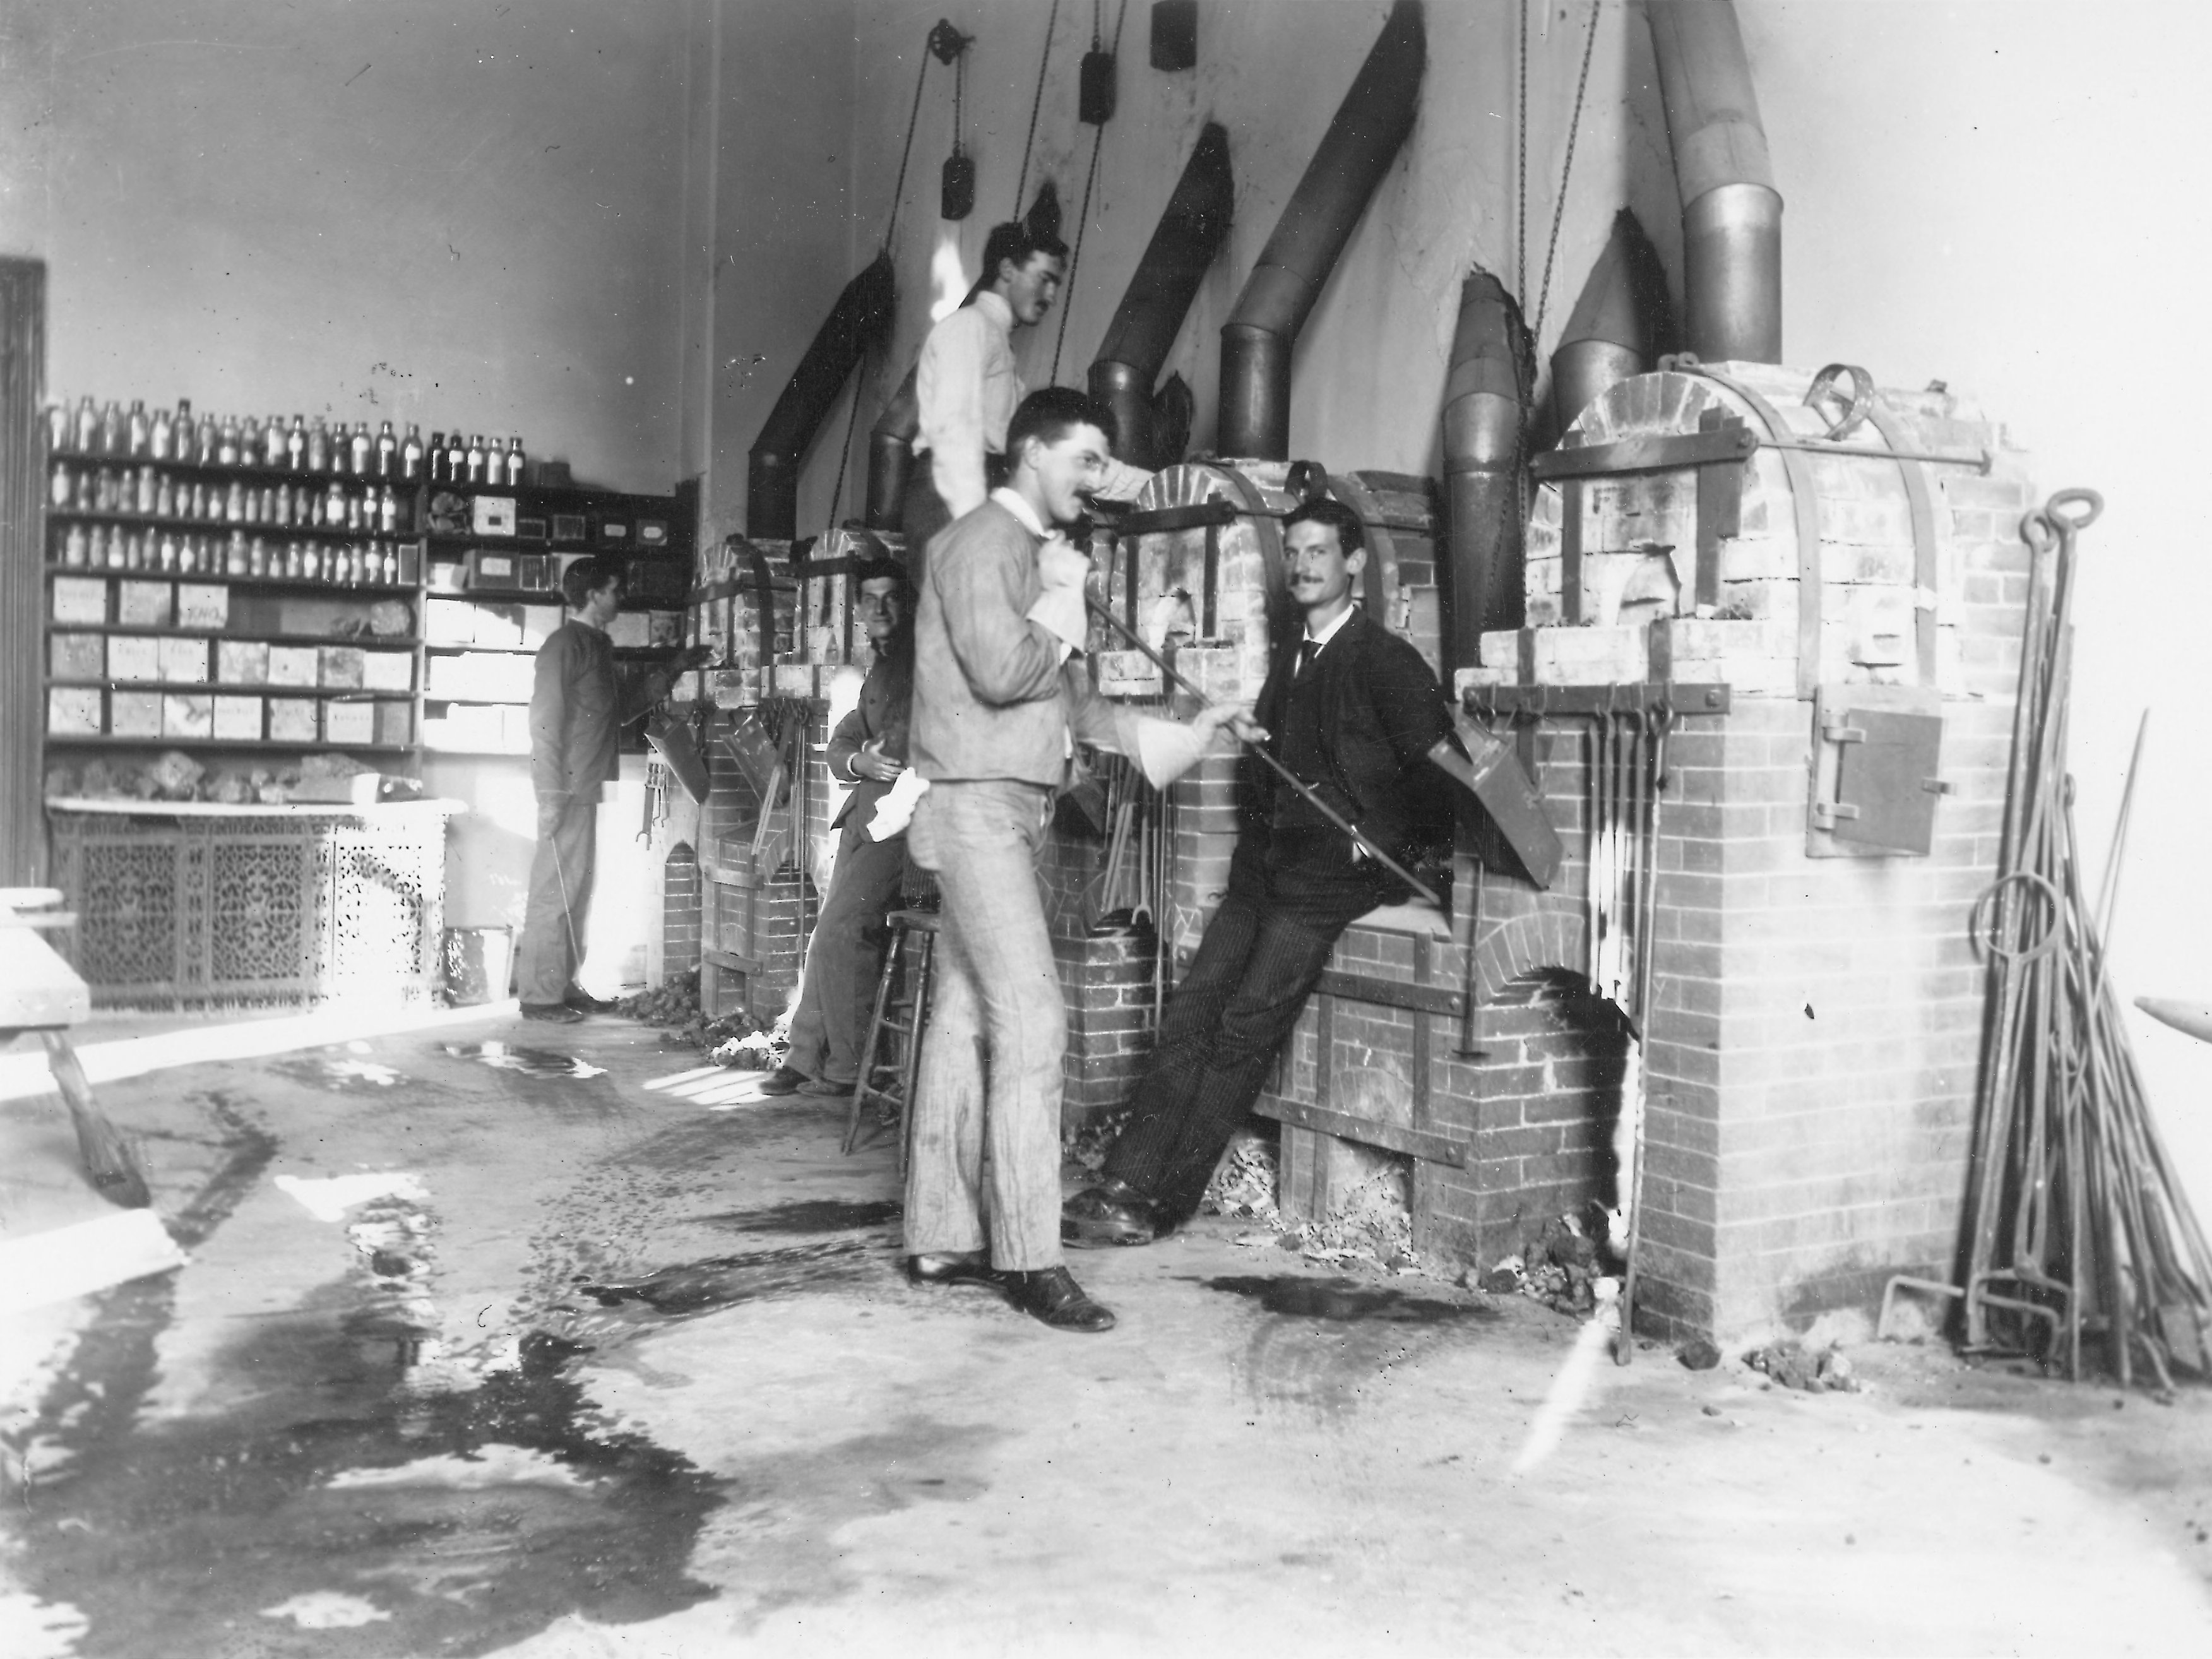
<point x="1354" y="711"/>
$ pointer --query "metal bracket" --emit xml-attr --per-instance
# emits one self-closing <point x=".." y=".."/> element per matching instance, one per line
<point x="1539" y="702"/>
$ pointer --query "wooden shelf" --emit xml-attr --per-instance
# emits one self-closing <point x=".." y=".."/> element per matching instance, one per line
<point x="229" y="470"/>
<point x="366" y="641"/>
<point x="234" y="688"/>
<point x="289" y="584"/>
<point x="224" y="526"/>
<point x="110" y="740"/>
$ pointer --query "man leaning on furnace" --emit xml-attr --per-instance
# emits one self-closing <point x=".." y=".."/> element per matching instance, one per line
<point x="999" y="701"/>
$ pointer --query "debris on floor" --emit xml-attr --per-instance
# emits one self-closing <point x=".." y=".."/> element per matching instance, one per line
<point x="1824" y="1370"/>
<point x="1246" y="1182"/>
<point x="735" y="1040"/>
<point x="1697" y="1355"/>
<point x="1569" y="1266"/>
<point x="1087" y="1144"/>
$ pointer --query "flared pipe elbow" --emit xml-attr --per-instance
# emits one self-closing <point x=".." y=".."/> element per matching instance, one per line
<point x="1484" y="415"/>
<point x="861" y="315"/>
<point x="1127" y="390"/>
<point x="1358" y="149"/>
<point x="1731" y="211"/>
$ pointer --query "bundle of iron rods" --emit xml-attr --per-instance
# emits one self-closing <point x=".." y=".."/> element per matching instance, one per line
<point x="2079" y="1236"/>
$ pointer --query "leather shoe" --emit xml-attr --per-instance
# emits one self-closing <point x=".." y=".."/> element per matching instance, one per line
<point x="1110" y="1214"/>
<point x="584" y="1002"/>
<point x="954" y="1267"/>
<point x="553" y="1013"/>
<point x="782" y="1081"/>
<point x="1051" y="1296"/>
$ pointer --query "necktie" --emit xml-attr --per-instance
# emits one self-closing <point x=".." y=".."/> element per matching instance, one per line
<point x="1308" y="650"/>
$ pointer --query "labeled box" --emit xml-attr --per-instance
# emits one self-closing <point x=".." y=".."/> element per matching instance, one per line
<point x="76" y="711"/>
<point x="342" y="667"/>
<point x="238" y="719"/>
<point x="134" y="657"/>
<point x="499" y="626"/>
<point x="202" y="605"/>
<point x="387" y="670"/>
<point x="183" y="661"/>
<point x="187" y="714"/>
<point x="499" y="571"/>
<point x="492" y="515"/>
<point x="293" y="719"/>
<point x="449" y="622"/>
<point x="348" y="722"/>
<point x="80" y="599"/>
<point x="134" y="714"/>
<point x="243" y="662"/>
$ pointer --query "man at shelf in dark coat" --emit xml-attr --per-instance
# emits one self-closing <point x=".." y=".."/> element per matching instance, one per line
<point x="1351" y="710"/>
<point x="867" y="750"/>
<point x="578" y="704"/>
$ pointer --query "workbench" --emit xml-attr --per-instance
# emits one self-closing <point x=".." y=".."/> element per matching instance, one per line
<point x="194" y="904"/>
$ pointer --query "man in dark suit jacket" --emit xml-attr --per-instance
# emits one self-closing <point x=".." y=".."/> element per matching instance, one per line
<point x="867" y="750"/>
<point x="1351" y="709"/>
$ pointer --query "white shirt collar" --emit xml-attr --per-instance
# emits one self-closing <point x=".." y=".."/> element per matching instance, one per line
<point x="1330" y="632"/>
<point x="992" y="304"/>
<point x="1012" y="500"/>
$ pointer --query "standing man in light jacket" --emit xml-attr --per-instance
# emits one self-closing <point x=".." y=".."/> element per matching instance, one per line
<point x="578" y="707"/>
<point x="868" y="750"/>
<point x="998" y="706"/>
<point x="967" y="386"/>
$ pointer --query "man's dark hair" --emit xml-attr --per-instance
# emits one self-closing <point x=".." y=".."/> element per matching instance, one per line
<point x="587" y="575"/>
<point x="1014" y="241"/>
<point x="901" y="639"/>
<point x="1350" y="534"/>
<point x="1051" y="412"/>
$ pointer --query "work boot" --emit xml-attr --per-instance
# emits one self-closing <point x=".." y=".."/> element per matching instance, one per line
<point x="552" y="1013"/>
<point x="584" y="1002"/>
<point x="782" y="1081"/>
<point x="1112" y="1212"/>
<point x="1051" y="1296"/>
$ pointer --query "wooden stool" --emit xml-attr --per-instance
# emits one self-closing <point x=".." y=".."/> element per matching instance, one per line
<point x="899" y="1013"/>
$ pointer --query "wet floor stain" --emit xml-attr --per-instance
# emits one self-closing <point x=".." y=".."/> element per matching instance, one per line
<point x="1333" y="1345"/>
<point x="345" y="1067"/>
<point x="530" y="1062"/>
<point x="1302" y="1297"/>
<point x="726" y="1282"/>
<point x="809" y="1216"/>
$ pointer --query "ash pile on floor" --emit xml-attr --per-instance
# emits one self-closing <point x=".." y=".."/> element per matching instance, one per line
<point x="1569" y="1266"/>
<point x="735" y="1040"/>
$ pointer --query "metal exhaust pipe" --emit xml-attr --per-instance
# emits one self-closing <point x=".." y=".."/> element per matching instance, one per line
<point x="1318" y="219"/>
<point x="1731" y="212"/>
<point x="860" y="316"/>
<point x="891" y="453"/>
<point x="1485" y="401"/>
<point x="1620" y="326"/>
<point x="1143" y="331"/>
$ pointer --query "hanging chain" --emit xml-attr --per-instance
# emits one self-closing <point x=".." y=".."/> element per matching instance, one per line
<point x="1022" y="185"/>
<point x="912" y="120"/>
<point x="959" y="95"/>
<point x="1095" y="20"/>
<point x="1560" y="206"/>
<point x="1083" y="223"/>
<point x="1521" y="164"/>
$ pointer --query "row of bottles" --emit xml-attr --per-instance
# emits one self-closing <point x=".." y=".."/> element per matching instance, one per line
<point x="153" y="492"/>
<point x="121" y="547"/>
<point x="303" y="447"/>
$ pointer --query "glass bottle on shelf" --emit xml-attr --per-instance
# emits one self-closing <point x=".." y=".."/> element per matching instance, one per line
<point x="387" y="511"/>
<point x="456" y="458"/>
<point x="387" y="452"/>
<point x="334" y="501"/>
<point x="188" y="440"/>
<point x="136" y="427"/>
<point x="60" y="486"/>
<point x="148" y="491"/>
<point x="295" y="444"/>
<point x="161" y="436"/>
<point x="435" y="459"/>
<point x="85" y="491"/>
<point x="319" y="447"/>
<point x="274" y="448"/>
<point x="210" y="446"/>
<point x="410" y="455"/>
<point x="84" y="431"/>
<point x="74" y="547"/>
<point x="166" y="558"/>
<point x="476" y="459"/>
<point x="57" y="428"/>
<point x="165" y="496"/>
<point x="359" y="451"/>
<point x="515" y="461"/>
<point x="249" y="441"/>
<point x="226" y="442"/>
<point x="110" y="439"/>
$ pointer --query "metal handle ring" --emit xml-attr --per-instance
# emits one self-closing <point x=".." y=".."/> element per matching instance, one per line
<point x="1985" y="909"/>
<point x="2059" y="507"/>
<point x="1857" y="407"/>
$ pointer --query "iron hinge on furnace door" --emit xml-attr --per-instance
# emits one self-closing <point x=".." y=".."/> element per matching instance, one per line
<point x="1876" y="751"/>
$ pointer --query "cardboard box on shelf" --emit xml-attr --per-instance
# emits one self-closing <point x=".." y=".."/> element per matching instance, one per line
<point x="187" y="714"/>
<point x="134" y="657"/>
<point x="342" y="667"/>
<point x="78" y="657"/>
<point x="238" y="719"/>
<point x="295" y="665"/>
<point x="202" y="605"/>
<point x="348" y="722"/>
<point x="387" y="670"/>
<point x="449" y="622"/>
<point x="183" y="661"/>
<point x="294" y="720"/>
<point x="492" y="515"/>
<point x="80" y="599"/>
<point x="75" y="711"/>
<point x="145" y="603"/>
<point x="243" y="662"/>
<point x="134" y="714"/>
<point x="395" y="721"/>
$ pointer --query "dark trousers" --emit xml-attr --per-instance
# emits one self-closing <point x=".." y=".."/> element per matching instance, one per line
<point x="560" y="903"/>
<point x="847" y="956"/>
<point x="1262" y="952"/>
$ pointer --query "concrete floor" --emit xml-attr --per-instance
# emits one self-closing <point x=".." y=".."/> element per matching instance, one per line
<point x="472" y="1359"/>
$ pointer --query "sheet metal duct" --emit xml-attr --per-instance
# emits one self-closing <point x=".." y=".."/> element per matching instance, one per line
<point x="861" y="316"/>
<point x="1731" y="212"/>
<point x="1620" y="325"/>
<point x="891" y="453"/>
<point x="1484" y="410"/>
<point x="1144" y="329"/>
<point x="1355" y="153"/>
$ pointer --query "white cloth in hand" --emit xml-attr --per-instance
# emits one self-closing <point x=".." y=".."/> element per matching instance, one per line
<point x="1063" y="568"/>
<point x="895" y="808"/>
